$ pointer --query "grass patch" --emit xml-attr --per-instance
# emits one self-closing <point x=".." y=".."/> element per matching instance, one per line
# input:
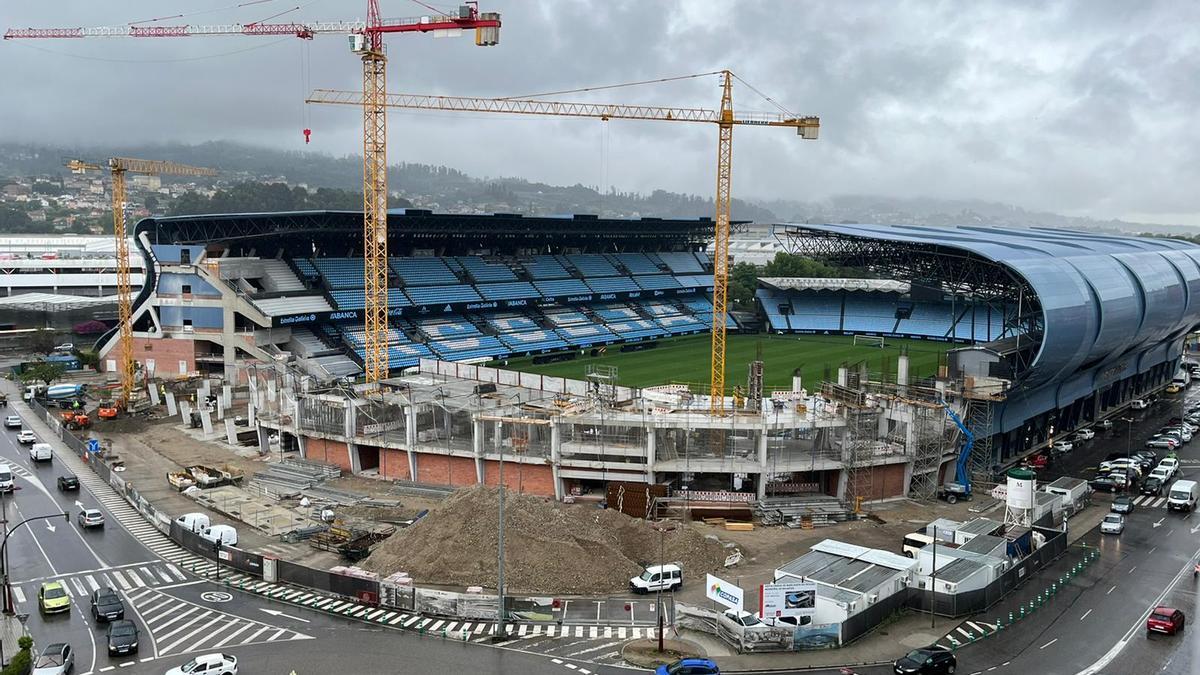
<point x="687" y="360"/>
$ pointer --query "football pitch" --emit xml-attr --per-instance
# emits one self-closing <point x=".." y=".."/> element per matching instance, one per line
<point x="687" y="360"/>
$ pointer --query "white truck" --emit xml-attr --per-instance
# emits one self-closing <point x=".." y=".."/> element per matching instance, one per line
<point x="1074" y="492"/>
<point x="41" y="452"/>
<point x="1183" y="495"/>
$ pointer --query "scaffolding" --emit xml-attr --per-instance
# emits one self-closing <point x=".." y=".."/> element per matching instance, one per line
<point x="979" y="420"/>
<point x="929" y="441"/>
<point x="754" y="386"/>
<point x="602" y="384"/>
<point x="862" y="428"/>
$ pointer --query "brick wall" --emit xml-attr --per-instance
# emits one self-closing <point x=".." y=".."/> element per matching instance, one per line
<point x="887" y="481"/>
<point x="534" y="479"/>
<point x="393" y="464"/>
<point x="323" y="450"/>
<point x="165" y="352"/>
<point x="438" y="469"/>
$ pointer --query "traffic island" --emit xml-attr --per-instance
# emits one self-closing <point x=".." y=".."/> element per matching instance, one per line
<point x="645" y="654"/>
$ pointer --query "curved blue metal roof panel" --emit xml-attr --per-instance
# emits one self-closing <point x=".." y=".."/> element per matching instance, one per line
<point x="1103" y="296"/>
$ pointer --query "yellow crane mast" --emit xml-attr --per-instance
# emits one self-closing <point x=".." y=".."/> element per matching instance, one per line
<point x="118" y="167"/>
<point x="807" y="127"/>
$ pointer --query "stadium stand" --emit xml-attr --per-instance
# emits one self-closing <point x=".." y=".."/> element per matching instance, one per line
<point x="301" y="304"/>
<point x="511" y="322"/>
<point x="348" y="299"/>
<point x="340" y="272"/>
<point x="559" y="287"/>
<point x="447" y="327"/>
<point x="612" y="285"/>
<point x="615" y="312"/>
<point x="585" y="334"/>
<point x="436" y="295"/>
<point x="635" y="330"/>
<point x="681" y="262"/>
<point x="656" y="282"/>
<point x="484" y="271"/>
<point x="277" y="277"/>
<point x="637" y="263"/>
<point x="423" y="272"/>
<point x="507" y="291"/>
<point x="544" y="267"/>
<point x="592" y="265"/>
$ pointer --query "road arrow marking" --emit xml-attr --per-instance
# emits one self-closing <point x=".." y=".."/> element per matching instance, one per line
<point x="275" y="612"/>
<point x="49" y="527"/>
<point x="1160" y="521"/>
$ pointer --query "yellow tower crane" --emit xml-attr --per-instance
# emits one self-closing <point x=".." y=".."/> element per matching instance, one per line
<point x="806" y="127"/>
<point x="118" y="167"/>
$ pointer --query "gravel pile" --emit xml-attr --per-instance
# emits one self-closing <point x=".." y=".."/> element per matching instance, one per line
<point x="550" y="548"/>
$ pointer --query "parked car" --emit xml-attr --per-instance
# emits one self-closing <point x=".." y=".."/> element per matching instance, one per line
<point x="734" y="622"/>
<point x="1039" y="461"/>
<point x="227" y="664"/>
<point x="1085" y="434"/>
<point x="1139" y="404"/>
<point x="1165" y="620"/>
<point x="1122" y="504"/>
<point x="26" y="437"/>
<point x="107" y="605"/>
<point x="90" y="518"/>
<point x="1063" y="446"/>
<point x="1121" y="463"/>
<point x="53" y="598"/>
<point x="680" y="667"/>
<point x="1152" y="486"/>
<point x="1113" y="523"/>
<point x="655" y="578"/>
<point x="1105" y="484"/>
<point x="65" y="347"/>
<point x="1146" y="453"/>
<point x="1162" y="443"/>
<point x="12" y="422"/>
<point x="1105" y="424"/>
<point x="1171" y="464"/>
<point x="222" y="534"/>
<point x="923" y="661"/>
<point x="122" y="637"/>
<point x="56" y="659"/>
<point x="1124" y="477"/>
<point x="68" y="483"/>
<point x="1174" y="388"/>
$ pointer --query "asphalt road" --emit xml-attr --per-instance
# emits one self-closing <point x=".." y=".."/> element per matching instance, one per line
<point x="179" y="615"/>
<point x="1098" y="624"/>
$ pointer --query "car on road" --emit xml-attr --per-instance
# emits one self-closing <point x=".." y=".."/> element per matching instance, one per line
<point x="1170" y="464"/>
<point x="56" y="659"/>
<point x="65" y="347"/>
<point x="107" y="605"/>
<point x="122" y="638"/>
<point x="6" y="478"/>
<point x="926" y="661"/>
<point x="1063" y="446"/>
<point x="1153" y="486"/>
<point x="68" y="483"/>
<point x="655" y="578"/>
<point x="1165" y="620"/>
<point x="680" y="667"/>
<point x="1183" y="433"/>
<point x="1105" y="424"/>
<point x="41" y="452"/>
<point x="1122" y="504"/>
<point x="1085" y="434"/>
<point x="26" y="437"/>
<point x="1162" y="473"/>
<point x="1162" y="443"/>
<point x="12" y="422"/>
<point x="1121" y="463"/>
<point x="1139" y="404"/>
<point x="53" y="598"/>
<point x="90" y="518"/>
<point x="1113" y="523"/>
<point x="1174" y="388"/>
<point x="1106" y="484"/>
<point x="226" y="664"/>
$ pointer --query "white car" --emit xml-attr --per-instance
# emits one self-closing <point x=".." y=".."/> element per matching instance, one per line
<point x="1162" y="443"/>
<point x="65" y="347"/>
<point x="208" y="664"/>
<point x="26" y="437"/>
<point x="1063" y="446"/>
<point x="1105" y="424"/>
<point x="1169" y="464"/>
<point x="1113" y="523"/>
<point x="1085" y="434"/>
<point x="12" y="422"/>
<point x="1139" y="404"/>
<point x="1121" y="463"/>
<point x="1163" y="475"/>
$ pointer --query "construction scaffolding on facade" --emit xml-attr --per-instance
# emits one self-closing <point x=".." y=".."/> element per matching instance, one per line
<point x="980" y="413"/>
<point x="929" y="442"/>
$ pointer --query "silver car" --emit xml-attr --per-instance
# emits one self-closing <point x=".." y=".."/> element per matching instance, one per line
<point x="55" y="659"/>
<point x="1113" y="523"/>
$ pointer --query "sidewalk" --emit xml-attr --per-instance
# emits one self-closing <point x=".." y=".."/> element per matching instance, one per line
<point x="11" y="630"/>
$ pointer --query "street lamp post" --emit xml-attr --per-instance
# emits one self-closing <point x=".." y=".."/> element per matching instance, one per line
<point x="8" y="604"/>
<point x="500" y="534"/>
<point x="662" y="561"/>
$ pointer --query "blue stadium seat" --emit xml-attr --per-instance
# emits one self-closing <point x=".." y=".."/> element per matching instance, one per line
<point x="612" y="285"/>
<point x="513" y="290"/>
<point x="681" y="262"/>
<point x="656" y="282"/>
<point x="637" y="263"/>
<point x="561" y="287"/>
<point x="437" y="295"/>
<point x="427" y="271"/>
<point x="544" y="267"/>
<point x="592" y="265"/>
<point x="483" y="271"/>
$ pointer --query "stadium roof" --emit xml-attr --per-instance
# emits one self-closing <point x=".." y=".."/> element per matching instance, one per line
<point x="824" y="284"/>
<point x="1100" y="298"/>
<point x="54" y="302"/>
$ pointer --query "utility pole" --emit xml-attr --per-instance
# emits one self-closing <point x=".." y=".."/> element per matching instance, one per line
<point x="933" y="582"/>
<point x="500" y="546"/>
<point x="8" y="604"/>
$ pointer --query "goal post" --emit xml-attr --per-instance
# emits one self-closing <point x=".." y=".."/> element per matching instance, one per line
<point x="869" y="341"/>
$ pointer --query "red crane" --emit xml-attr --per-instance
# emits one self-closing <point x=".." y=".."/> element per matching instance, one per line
<point x="366" y="40"/>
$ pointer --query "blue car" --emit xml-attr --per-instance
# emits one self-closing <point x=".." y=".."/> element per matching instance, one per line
<point x="689" y="667"/>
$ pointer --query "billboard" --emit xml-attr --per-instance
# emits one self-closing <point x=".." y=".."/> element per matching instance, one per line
<point x="798" y="598"/>
<point x="719" y="590"/>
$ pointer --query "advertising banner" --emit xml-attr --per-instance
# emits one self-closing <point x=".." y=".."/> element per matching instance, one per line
<point x="797" y="598"/>
<point x="719" y="590"/>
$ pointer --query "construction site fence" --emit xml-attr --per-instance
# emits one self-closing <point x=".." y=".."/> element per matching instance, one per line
<point x="970" y="602"/>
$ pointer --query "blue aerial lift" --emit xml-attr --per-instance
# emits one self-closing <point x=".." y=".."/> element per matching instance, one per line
<point x="960" y="487"/>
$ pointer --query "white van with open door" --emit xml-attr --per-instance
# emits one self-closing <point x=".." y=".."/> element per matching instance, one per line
<point x="224" y="534"/>
<point x="194" y="522"/>
<point x="656" y="578"/>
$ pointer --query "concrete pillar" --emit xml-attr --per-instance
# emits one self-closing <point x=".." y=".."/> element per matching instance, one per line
<point x="355" y="460"/>
<point x="797" y="383"/>
<point x="171" y="409"/>
<point x="153" y="392"/>
<point x="843" y="377"/>
<point x="651" y="453"/>
<point x="227" y="395"/>
<point x="230" y="432"/>
<point x="206" y="421"/>
<point x="556" y="459"/>
<point x="410" y="438"/>
<point x="762" y="464"/>
<point x="477" y="448"/>
<point x="902" y="370"/>
<point x="301" y="442"/>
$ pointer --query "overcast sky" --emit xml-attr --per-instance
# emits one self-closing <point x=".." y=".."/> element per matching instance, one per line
<point x="1085" y="108"/>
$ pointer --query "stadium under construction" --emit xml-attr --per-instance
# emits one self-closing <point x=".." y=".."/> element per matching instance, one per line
<point x="273" y="302"/>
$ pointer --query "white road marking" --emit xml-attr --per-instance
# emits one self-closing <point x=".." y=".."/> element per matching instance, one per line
<point x="231" y="636"/>
<point x="20" y="595"/>
<point x="1085" y="615"/>
<point x="92" y="582"/>
<point x="1110" y="590"/>
<point x="1048" y="643"/>
<point x="121" y="580"/>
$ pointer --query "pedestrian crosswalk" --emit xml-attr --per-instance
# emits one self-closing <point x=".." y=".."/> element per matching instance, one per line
<point x="122" y="578"/>
<point x="179" y="627"/>
<point x="1150" y="502"/>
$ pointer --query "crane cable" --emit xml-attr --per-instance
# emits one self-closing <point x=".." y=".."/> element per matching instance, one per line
<point x="612" y="86"/>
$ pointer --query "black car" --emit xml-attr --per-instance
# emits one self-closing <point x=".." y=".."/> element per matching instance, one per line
<point x="1122" y="504"/>
<point x="122" y="637"/>
<point x="925" y="661"/>
<point x="107" y="605"/>
<point x="1147" y="454"/>
<point x="1152" y="486"/>
<point x="68" y="483"/>
<point x="1105" y="484"/>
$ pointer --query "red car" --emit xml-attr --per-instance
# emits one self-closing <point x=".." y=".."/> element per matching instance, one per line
<point x="1165" y="620"/>
<point x="1037" y="462"/>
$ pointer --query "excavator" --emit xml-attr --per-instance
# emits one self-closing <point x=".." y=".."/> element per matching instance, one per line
<point x="960" y="487"/>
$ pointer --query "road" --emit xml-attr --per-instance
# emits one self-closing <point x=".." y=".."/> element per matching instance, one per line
<point x="1097" y="624"/>
<point x="179" y="615"/>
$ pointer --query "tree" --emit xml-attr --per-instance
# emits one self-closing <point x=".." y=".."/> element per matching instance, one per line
<point x="789" y="265"/>
<point x="42" y="372"/>
<point x="151" y="203"/>
<point x="43" y="342"/>
<point x="21" y="662"/>
<point x="743" y="279"/>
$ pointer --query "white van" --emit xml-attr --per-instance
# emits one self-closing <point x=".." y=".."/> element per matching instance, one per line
<point x="914" y="542"/>
<point x="221" y="533"/>
<point x="667" y="577"/>
<point x="1139" y="404"/>
<point x="41" y="452"/>
<point x="193" y="522"/>
<point x="6" y="478"/>
<point x="1183" y="495"/>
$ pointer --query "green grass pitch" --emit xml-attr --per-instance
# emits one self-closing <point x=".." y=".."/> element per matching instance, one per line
<point x="686" y="360"/>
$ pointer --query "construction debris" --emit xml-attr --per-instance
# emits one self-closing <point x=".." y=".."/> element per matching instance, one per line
<point x="549" y="547"/>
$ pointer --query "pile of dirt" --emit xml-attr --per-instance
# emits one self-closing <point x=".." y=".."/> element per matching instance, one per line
<point x="550" y="548"/>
